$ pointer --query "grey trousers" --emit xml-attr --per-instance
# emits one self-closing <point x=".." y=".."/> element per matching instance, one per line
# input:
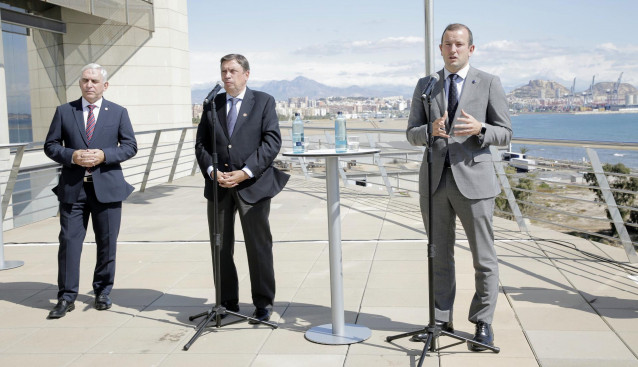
<point x="476" y="217"/>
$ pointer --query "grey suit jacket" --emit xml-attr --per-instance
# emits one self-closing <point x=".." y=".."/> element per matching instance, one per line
<point x="482" y="97"/>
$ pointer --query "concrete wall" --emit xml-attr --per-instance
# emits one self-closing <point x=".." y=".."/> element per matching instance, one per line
<point x="148" y="74"/>
<point x="148" y="71"/>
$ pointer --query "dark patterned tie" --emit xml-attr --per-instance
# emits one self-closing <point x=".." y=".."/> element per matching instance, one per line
<point x="90" y="123"/>
<point x="231" y="119"/>
<point x="90" y="127"/>
<point x="452" y="104"/>
<point x="452" y="99"/>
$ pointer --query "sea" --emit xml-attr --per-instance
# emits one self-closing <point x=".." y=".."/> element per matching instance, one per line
<point x="607" y="127"/>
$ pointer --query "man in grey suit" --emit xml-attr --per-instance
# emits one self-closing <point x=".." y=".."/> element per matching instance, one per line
<point x="89" y="137"/>
<point x="247" y="142"/>
<point x="469" y="113"/>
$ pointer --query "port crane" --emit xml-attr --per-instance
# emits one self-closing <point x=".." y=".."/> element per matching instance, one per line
<point x="591" y="90"/>
<point x="572" y="95"/>
<point x="615" y="90"/>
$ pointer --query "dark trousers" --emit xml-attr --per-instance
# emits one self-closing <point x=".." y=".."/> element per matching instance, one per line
<point x="258" y="240"/>
<point x="74" y="219"/>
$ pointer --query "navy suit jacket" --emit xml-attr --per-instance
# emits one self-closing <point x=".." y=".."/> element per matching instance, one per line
<point x="113" y="135"/>
<point x="255" y="143"/>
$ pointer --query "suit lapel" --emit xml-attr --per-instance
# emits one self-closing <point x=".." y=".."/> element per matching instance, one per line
<point x="246" y="106"/>
<point x="470" y="87"/>
<point x="220" y="105"/>
<point x="439" y="92"/>
<point x="79" y="119"/>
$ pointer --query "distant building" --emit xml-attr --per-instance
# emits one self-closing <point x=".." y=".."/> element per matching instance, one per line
<point x="198" y="109"/>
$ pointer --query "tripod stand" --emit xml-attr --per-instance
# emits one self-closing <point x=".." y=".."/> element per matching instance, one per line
<point x="217" y="312"/>
<point x="432" y="331"/>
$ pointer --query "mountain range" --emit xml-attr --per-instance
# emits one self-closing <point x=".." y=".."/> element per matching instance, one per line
<point x="304" y="87"/>
<point x="550" y="89"/>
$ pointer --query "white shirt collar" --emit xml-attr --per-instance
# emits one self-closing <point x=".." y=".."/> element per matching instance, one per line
<point x="97" y="103"/>
<point x="240" y="95"/>
<point x="462" y="73"/>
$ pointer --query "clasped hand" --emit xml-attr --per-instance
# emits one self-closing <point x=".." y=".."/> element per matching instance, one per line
<point x="88" y="157"/>
<point x="231" y="179"/>
<point x="464" y="126"/>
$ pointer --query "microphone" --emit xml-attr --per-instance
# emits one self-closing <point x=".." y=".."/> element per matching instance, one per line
<point x="213" y="93"/>
<point x="434" y="78"/>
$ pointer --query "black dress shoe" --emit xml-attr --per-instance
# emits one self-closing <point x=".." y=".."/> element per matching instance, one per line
<point x="103" y="302"/>
<point x="484" y="334"/>
<point x="61" y="309"/>
<point x="233" y="307"/>
<point x="261" y="314"/>
<point x="444" y="325"/>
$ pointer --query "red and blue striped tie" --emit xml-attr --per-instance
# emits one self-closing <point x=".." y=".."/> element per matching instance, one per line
<point x="90" y="127"/>
<point x="90" y="123"/>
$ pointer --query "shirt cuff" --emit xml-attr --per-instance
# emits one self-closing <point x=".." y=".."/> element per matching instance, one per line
<point x="248" y="172"/>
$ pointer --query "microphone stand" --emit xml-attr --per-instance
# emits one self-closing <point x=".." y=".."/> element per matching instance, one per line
<point x="218" y="311"/>
<point x="430" y="334"/>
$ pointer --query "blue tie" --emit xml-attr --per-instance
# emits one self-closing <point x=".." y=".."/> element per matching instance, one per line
<point x="232" y="115"/>
<point x="452" y="99"/>
<point x="452" y="104"/>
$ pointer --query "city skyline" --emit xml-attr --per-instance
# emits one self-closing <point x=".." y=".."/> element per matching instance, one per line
<point x="342" y="44"/>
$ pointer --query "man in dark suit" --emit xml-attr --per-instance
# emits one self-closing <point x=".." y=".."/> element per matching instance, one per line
<point x="89" y="137"/>
<point x="247" y="142"/>
<point x="469" y="113"/>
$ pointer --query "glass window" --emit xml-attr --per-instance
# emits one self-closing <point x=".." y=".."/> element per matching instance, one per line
<point x="16" y="64"/>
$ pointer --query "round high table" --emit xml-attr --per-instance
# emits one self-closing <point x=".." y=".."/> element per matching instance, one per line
<point x="337" y="333"/>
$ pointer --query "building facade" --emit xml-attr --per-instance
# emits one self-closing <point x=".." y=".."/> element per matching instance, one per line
<point x="143" y="44"/>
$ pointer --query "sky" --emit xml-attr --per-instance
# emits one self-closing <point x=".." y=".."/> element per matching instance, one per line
<point x="380" y="42"/>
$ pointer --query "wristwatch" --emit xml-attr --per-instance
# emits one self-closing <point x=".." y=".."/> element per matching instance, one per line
<point x="483" y="129"/>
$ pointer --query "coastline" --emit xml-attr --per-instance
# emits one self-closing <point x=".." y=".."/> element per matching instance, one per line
<point x="628" y="111"/>
<point x="632" y="110"/>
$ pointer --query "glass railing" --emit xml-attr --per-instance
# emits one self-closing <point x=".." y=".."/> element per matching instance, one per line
<point x="585" y="198"/>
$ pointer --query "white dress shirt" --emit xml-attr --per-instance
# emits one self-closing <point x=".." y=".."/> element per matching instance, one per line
<point x="460" y="80"/>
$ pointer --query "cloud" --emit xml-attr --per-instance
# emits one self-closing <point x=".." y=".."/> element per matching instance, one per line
<point x="362" y="46"/>
<point x="399" y="61"/>
<point x="339" y="74"/>
<point x="518" y="62"/>
<point x="204" y="65"/>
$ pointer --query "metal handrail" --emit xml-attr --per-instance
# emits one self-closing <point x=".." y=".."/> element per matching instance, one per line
<point x="508" y="191"/>
<point x="166" y="154"/>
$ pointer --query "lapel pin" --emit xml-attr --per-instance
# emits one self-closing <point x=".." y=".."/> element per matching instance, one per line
<point x="473" y="81"/>
<point x="245" y="114"/>
<point x="106" y="108"/>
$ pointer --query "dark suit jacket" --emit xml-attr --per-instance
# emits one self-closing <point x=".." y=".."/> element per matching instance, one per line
<point x="255" y="144"/>
<point x="471" y="161"/>
<point x="113" y="135"/>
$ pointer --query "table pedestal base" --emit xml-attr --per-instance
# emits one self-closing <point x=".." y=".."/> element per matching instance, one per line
<point x="5" y="265"/>
<point x="351" y="334"/>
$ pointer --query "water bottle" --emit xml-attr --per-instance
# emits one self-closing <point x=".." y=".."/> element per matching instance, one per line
<point x="341" y="140"/>
<point x="297" y="134"/>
